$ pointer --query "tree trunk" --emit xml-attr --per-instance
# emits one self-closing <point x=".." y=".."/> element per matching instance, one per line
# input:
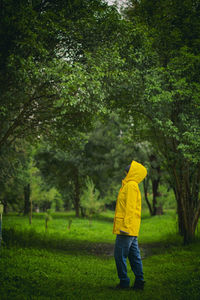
<point x="5" y="204"/>
<point x="156" y="177"/>
<point x="180" y="214"/>
<point x="188" y="202"/>
<point x="27" y="199"/>
<point x="82" y="212"/>
<point x="77" y="194"/>
<point x="30" y="212"/>
<point x="145" y="186"/>
<point x="186" y="217"/>
<point x="157" y="209"/>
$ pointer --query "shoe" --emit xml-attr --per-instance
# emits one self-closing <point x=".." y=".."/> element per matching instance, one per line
<point x="121" y="287"/>
<point x="138" y="285"/>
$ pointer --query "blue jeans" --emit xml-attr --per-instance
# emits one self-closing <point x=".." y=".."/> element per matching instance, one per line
<point x="127" y="246"/>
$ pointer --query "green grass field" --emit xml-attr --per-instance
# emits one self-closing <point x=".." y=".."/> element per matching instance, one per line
<point x="78" y="263"/>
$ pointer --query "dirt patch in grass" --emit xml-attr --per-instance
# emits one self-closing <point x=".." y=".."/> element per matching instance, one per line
<point x="150" y="249"/>
<point x="101" y="249"/>
<point x="32" y="239"/>
<point x="107" y="250"/>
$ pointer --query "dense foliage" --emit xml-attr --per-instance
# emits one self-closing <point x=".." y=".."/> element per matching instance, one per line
<point x="65" y="63"/>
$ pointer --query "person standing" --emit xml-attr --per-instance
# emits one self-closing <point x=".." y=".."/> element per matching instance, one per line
<point x="126" y="226"/>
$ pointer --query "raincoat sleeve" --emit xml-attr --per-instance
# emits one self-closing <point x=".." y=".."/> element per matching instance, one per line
<point x="131" y="200"/>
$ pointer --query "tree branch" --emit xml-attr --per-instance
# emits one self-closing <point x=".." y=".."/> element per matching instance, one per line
<point x="18" y="119"/>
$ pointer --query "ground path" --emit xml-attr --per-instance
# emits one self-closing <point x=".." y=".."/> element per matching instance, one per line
<point x="107" y="249"/>
<point x="72" y="246"/>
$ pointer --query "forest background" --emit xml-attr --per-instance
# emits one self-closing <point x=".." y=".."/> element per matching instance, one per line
<point x="85" y="89"/>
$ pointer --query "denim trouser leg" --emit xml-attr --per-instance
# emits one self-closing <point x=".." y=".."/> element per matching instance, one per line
<point x="122" y="245"/>
<point x="127" y="246"/>
<point x="135" y="260"/>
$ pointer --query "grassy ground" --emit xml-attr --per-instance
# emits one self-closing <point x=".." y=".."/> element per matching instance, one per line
<point x="78" y="263"/>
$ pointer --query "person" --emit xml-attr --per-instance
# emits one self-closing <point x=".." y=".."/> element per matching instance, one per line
<point x="126" y="226"/>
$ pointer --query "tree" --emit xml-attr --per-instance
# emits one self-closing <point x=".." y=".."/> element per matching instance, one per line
<point x="43" y="196"/>
<point x="47" y="90"/>
<point x="90" y="201"/>
<point x="158" y="90"/>
<point x="63" y="170"/>
<point x="15" y="177"/>
<point x="45" y="85"/>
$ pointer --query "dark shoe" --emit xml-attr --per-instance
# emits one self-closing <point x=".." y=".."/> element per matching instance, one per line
<point x="138" y="285"/>
<point x="121" y="287"/>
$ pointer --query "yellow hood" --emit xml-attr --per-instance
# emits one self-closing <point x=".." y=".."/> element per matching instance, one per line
<point x="128" y="208"/>
<point x="137" y="173"/>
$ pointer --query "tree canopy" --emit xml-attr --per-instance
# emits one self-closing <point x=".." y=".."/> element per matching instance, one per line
<point x="44" y="81"/>
<point x="64" y="64"/>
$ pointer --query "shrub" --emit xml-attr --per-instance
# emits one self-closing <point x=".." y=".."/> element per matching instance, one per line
<point x="90" y="200"/>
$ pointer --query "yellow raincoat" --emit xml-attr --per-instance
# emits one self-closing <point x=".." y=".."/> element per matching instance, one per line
<point x="128" y="208"/>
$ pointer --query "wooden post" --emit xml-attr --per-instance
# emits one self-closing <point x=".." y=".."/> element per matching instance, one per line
<point x="30" y="212"/>
<point x="1" y="212"/>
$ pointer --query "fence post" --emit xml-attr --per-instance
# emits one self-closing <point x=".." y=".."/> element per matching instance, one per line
<point x="1" y="212"/>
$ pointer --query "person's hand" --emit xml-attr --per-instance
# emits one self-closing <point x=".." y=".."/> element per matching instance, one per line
<point x="124" y="232"/>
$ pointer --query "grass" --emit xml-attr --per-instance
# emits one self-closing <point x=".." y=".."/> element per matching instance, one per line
<point x="78" y="263"/>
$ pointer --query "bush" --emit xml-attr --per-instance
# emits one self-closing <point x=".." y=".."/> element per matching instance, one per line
<point x="90" y="201"/>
